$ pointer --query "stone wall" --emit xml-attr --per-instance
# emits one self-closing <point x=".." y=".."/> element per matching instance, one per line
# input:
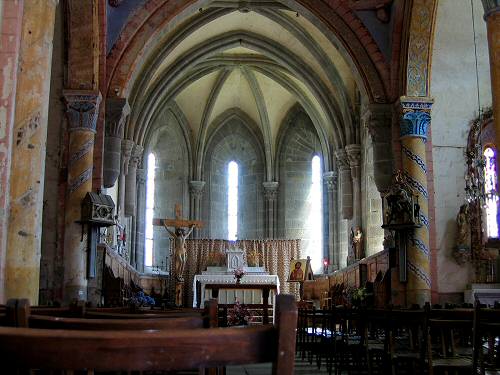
<point x="299" y="145"/>
<point x="371" y="200"/>
<point x="234" y="141"/>
<point x="171" y="178"/>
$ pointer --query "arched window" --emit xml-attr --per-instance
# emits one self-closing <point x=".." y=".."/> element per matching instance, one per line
<point x="315" y="222"/>
<point x="490" y="179"/>
<point x="150" y="203"/>
<point x="232" y="201"/>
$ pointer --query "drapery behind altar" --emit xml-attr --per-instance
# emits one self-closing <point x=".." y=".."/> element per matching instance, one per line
<point x="274" y="255"/>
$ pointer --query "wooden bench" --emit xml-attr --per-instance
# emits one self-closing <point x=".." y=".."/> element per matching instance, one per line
<point x="20" y="314"/>
<point x="177" y="349"/>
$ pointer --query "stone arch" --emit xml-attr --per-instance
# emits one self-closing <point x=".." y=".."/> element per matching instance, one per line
<point x="234" y="137"/>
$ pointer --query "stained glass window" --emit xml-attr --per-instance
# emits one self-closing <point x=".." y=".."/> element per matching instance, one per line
<point x="150" y="203"/>
<point x="232" y="201"/>
<point x="490" y="183"/>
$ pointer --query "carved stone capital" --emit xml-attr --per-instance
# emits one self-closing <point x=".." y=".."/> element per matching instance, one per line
<point x="490" y="7"/>
<point x="136" y="156"/>
<point x="377" y="118"/>
<point x="331" y="179"/>
<point x="270" y="190"/>
<point x="353" y="155"/>
<point x="117" y="111"/>
<point x="141" y="175"/>
<point x="82" y="109"/>
<point x="196" y="188"/>
<point x="342" y="159"/>
<point x="127" y="147"/>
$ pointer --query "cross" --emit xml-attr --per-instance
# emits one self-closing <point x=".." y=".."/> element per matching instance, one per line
<point x="178" y="222"/>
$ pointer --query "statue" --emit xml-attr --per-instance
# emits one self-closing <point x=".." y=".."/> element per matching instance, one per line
<point x="180" y="252"/>
<point x="461" y="252"/>
<point x="357" y="243"/>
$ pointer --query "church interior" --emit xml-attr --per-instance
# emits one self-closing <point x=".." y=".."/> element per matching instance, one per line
<point x="157" y="155"/>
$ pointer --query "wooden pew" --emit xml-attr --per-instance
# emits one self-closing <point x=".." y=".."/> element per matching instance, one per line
<point x="178" y="349"/>
<point x="19" y="314"/>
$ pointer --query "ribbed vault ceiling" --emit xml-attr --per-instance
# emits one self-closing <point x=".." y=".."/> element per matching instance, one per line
<point x="261" y="60"/>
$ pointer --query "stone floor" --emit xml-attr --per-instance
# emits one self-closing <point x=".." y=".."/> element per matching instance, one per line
<point x="301" y="368"/>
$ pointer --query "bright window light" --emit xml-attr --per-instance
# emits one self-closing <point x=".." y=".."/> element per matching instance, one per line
<point x="232" y="201"/>
<point x="150" y="203"/>
<point x="315" y="218"/>
<point x="490" y="183"/>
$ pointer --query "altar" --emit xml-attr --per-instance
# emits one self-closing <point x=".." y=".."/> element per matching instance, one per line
<point x="227" y="296"/>
<point x="255" y="287"/>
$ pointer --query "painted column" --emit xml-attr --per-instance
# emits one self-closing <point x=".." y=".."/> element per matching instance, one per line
<point x="117" y="111"/>
<point x="29" y="132"/>
<point x="140" y="219"/>
<point x="330" y="178"/>
<point x="415" y="123"/>
<point x="345" y="184"/>
<point x="127" y="147"/>
<point x="82" y="108"/>
<point x="270" y="201"/>
<point x="11" y="17"/>
<point x="492" y="17"/>
<point x="354" y="157"/>
<point x="196" y="194"/>
<point x="131" y="181"/>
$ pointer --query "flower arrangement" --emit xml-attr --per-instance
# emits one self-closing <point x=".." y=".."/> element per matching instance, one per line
<point x="355" y="296"/>
<point x="238" y="315"/>
<point x="140" y="299"/>
<point x="238" y="274"/>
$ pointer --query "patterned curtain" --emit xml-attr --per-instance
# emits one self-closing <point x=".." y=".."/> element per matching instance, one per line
<point x="273" y="255"/>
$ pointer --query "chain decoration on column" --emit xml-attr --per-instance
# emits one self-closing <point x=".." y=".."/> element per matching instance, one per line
<point x="415" y="124"/>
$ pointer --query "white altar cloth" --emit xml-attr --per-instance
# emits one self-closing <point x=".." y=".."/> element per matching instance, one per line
<point x="229" y="279"/>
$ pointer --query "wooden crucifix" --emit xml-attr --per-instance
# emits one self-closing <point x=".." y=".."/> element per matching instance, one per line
<point x="183" y="229"/>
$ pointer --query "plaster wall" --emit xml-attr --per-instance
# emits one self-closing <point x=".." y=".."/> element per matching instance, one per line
<point x="454" y="90"/>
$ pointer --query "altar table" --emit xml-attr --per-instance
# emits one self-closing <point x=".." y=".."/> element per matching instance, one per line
<point x="248" y="283"/>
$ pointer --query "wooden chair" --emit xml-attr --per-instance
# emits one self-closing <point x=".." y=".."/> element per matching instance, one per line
<point x="486" y="340"/>
<point x="28" y="348"/>
<point x="407" y="341"/>
<point x="449" y="341"/>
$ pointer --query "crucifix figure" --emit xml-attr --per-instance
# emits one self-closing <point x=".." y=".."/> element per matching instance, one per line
<point x="183" y="229"/>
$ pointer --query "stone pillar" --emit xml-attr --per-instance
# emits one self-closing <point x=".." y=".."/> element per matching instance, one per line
<point x="196" y="193"/>
<point x="117" y="111"/>
<point x="354" y="157"/>
<point x="377" y="118"/>
<point x="270" y="202"/>
<point x="492" y="17"/>
<point x="330" y="178"/>
<point x="82" y="108"/>
<point x="27" y="158"/>
<point x="141" y="220"/>
<point x="345" y="184"/>
<point x="127" y="147"/>
<point x="131" y="181"/>
<point x="415" y="122"/>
